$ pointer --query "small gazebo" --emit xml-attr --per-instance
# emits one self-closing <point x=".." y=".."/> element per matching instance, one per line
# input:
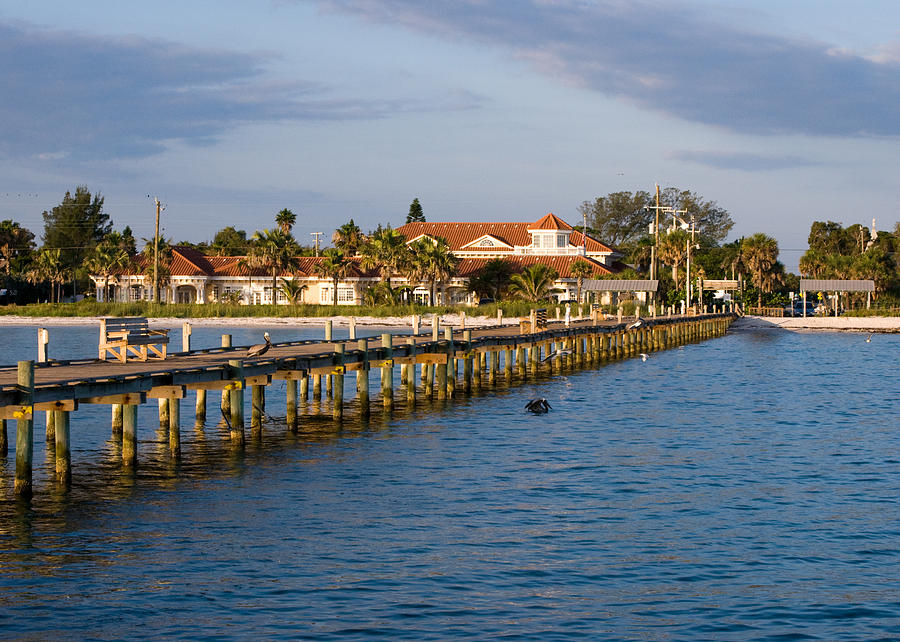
<point x="839" y="286"/>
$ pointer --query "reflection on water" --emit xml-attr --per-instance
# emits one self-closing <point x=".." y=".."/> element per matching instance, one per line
<point x="745" y="487"/>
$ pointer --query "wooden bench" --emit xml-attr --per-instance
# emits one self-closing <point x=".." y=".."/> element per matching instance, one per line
<point x="122" y="335"/>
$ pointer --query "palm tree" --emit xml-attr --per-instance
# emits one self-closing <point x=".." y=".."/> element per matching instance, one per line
<point x="164" y="249"/>
<point x="335" y="266"/>
<point x="285" y="220"/>
<point x="492" y="279"/>
<point x="673" y="248"/>
<point x="348" y="238"/>
<point x="293" y="290"/>
<point x="579" y="270"/>
<point x="48" y="266"/>
<point x="432" y="263"/>
<point x="107" y="258"/>
<point x="274" y="251"/>
<point x="812" y="263"/>
<point x="387" y="250"/>
<point x="760" y="252"/>
<point x="535" y="283"/>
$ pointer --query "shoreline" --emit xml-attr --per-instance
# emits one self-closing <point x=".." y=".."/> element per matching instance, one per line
<point x="885" y="325"/>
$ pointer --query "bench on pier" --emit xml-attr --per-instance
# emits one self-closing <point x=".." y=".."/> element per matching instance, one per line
<point x="537" y="321"/>
<point x="123" y="335"/>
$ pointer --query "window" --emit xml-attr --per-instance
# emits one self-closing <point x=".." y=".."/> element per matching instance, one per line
<point x="561" y="240"/>
<point x="486" y="243"/>
<point x="344" y="295"/>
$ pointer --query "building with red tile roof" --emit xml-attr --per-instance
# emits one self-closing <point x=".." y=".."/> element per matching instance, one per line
<point x="193" y="277"/>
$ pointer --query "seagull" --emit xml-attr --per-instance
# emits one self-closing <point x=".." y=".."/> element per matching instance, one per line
<point x="260" y="348"/>
<point x="636" y="324"/>
<point x="559" y="353"/>
<point x="869" y="339"/>
<point x="538" y="406"/>
<point x="644" y="356"/>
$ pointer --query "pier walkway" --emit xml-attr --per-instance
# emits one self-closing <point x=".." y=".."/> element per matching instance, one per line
<point x="58" y="388"/>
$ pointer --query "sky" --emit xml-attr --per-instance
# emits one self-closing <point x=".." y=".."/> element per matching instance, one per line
<point x="228" y="111"/>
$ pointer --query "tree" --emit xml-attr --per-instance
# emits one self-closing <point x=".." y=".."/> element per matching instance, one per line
<point x="292" y="290"/>
<point x="274" y="251"/>
<point x="618" y="218"/>
<point x="432" y="262"/>
<point x="107" y="259"/>
<point x="713" y="223"/>
<point x="16" y="246"/>
<point x="48" y="266"/>
<point x="230" y="242"/>
<point x="335" y="266"/>
<point x="673" y="248"/>
<point x="386" y="248"/>
<point x="579" y="270"/>
<point x="416" y="215"/>
<point x="535" y="283"/>
<point x="348" y="238"/>
<point x="760" y="252"/>
<point x="164" y="252"/>
<point x="76" y="226"/>
<point x="492" y="279"/>
<point x="285" y="220"/>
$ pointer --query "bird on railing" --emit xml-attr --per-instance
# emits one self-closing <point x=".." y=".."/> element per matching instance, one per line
<point x="538" y="406"/>
<point x="635" y="324"/>
<point x="260" y="348"/>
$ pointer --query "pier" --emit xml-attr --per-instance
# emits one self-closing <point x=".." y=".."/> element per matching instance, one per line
<point x="441" y="365"/>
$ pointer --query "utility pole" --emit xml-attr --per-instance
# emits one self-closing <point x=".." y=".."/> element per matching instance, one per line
<point x="156" y="255"/>
<point x="316" y="235"/>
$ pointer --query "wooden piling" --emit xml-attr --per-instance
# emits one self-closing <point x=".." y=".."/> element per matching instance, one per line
<point x="129" y="435"/>
<point x="257" y="407"/>
<point x="236" y="401"/>
<point x="411" y="376"/>
<point x="467" y="362"/>
<point x="387" y="371"/>
<point x="63" y="452"/>
<point x="117" y="421"/>
<point x="451" y="362"/>
<point x="362" y="379"/>
<point x="304" y="387"/>
<point x="186" y="337"/>
<point x="174" y="406"/>
<point x="4" y="438"/>
<point x="25" y="430"/>
<point x="200" y="407"/>
<point x="163" y="413"/>
<point x="338" y="405"/>
<point x="291" y="405"/>
<point x="226" y="395"/>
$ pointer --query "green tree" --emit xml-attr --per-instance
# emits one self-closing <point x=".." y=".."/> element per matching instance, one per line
<point x="285" y="220"/>
<point x="230" y="242"/>
<point x="535" y="283"/>
<point x="618" y="218"/>
<point x="292" y="290"/>
<point x="335" y="266"/>
<point x="48" y="266"/>
<point x="713" y="223"/>
<point x="348" y="238"/>
<point x="433" y="263"/>
<point x="760" y="252"/>
<point x="493" y="279"/>
<point x="416" y="215"/>
<point x="386" y="249"/>
<point x="16" y="247"/>
<point x="75" y="227"/>
<point x="274" y="251"/>
<point x="164" y="249"/>
<point x="673" y="248"/>
<point x="107" y="259"/>
<point x="579" y="270"/>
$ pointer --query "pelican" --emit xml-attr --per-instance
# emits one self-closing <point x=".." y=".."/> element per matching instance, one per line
<point x="644" y="356"/>
<point x="559" y="353"/>
<point x="538" y="406"/>
<point x="637" y="323"/>
<point x="260" y="348"/>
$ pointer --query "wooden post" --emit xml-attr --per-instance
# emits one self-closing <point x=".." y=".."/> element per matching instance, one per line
<point x="317" y="386"/>
<point x="329" y="387"/>
<point x="338" y="406"/>
<point x="352" y="328"/>
<point x="185" y="337"/>
<point x="226" y="395"/>
<point x="43" y="343"/>
<point x="117" y="420"/>
<point x="291" y="405"/>
<point x="387" y="372"/>
<point x="411" y="376"/>
<point x="129" y="435"/>
<point x="4" y="438"/>
<point x="467" y="362"/>
<point x="451" y="362"/>
<point x="435" y="327"/>
<point x="304" y="386"/>
<point x="25" y="429"/>
<point x="200" y="407"/>
<point x="63" y="452"/>
<point x="508" y="365"/>
<point x="236" y="396"/>
<point x="462" y="320"/>
<point x="328" y="330"/>
<point x="174" y="406"/>
<point x="521" y="360"/>
<point x="499" y="316"/>
<point x="257" y="406"/>
<point x="362" y="379"/>
<point x="415" y="324"/>
<point x="534" y="358"/>
<point x="163" y="413"/>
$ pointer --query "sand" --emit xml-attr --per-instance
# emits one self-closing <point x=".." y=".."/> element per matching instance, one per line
<point x="832" y="324"/>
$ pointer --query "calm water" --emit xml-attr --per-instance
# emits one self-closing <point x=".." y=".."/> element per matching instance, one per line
<point x="743" y="488"/>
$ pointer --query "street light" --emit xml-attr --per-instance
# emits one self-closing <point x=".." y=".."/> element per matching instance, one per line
<point x="692" y="228"/>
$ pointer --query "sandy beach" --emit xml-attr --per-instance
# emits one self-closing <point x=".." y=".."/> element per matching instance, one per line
<point x="822" y="324"/>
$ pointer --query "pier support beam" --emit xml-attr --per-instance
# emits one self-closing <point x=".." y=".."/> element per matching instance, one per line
<point x="411" y="376"/>
<point x="4" y="439"/>
<point x="362" y="379"/>
<point x="236" y="401"/>
<point x="257" y="408"/>
<point x="129" y="435"/>
<point x="338" y="406"/>
<point x="63" y="453"/>
<point x="291" y="405"/>
<point x="174" y="428"/>
<point x="200" y="407"/>
<point x="226" y="394"/>
<point x="25" y="430"/>
<point x="387" y="372"/>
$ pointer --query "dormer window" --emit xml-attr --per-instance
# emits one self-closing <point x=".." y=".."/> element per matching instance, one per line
<point x="486" y="243"/>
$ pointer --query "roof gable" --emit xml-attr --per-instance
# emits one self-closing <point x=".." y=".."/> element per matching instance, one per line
<point x="550" y="222"/>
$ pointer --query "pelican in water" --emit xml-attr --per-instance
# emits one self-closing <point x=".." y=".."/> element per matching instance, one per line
<point x="555" y="355"/>
<point x="637" y="323"/>
<point x="538" y="406"/>
<point x="869" y="339"/>
<point x="260" y="348"/>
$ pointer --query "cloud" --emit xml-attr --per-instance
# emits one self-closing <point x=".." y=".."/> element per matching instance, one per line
<point x="78" y="97"/>
<point x="671" y="57"/>
<point x="744" y="161"/>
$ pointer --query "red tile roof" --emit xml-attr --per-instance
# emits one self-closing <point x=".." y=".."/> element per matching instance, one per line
<point x="562" y="265"/>
<point x="550" y="222"/>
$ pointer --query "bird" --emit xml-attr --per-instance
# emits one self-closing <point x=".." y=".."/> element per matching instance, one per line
<point x="260" y="348"/>
<point x="635" y="324"/>
<point x="869" y="339"/>
<point x="644" y="356"/>
<point x="559" y="353"/>
<point x="538" y="406"/>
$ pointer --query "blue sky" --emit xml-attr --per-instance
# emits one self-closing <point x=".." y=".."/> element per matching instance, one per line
<point x="232" y="110"/>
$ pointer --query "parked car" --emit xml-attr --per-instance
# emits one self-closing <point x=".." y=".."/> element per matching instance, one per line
<point x="796" y="310"/>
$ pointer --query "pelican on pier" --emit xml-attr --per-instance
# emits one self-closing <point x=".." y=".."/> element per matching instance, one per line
<point x="260" y="348"/>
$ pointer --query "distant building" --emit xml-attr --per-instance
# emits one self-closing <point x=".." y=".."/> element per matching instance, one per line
<point x="193" y="277"/>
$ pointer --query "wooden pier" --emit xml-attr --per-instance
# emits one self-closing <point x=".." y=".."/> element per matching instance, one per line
<point x="451" y="363"/>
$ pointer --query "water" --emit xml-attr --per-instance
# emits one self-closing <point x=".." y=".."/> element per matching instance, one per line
<point x="742" y="488"/>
